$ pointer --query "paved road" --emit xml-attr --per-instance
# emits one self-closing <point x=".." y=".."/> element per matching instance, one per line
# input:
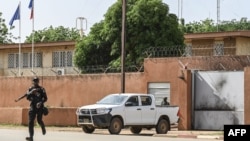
<point x="20" y="134"/>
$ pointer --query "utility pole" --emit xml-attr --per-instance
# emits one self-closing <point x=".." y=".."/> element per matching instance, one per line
<point x="218" y="14"/>
<point x="180" y="9"/>
<point x="123" y="53"/>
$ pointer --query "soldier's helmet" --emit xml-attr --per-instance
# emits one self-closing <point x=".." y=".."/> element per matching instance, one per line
<point x="35" y="79"/>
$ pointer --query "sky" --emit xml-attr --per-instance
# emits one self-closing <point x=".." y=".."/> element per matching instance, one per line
<point x="66" y="12"/>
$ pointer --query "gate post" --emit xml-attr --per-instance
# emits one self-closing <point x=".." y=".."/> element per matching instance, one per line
<point x="185" y="100"/>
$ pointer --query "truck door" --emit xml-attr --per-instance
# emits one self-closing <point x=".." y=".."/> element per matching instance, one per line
<point x="148" y="110"/>
<point x="132" y="111"/>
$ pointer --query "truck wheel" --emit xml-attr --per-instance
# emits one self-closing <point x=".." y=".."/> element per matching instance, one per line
<point x="115" y="126"/>
<point x="162" y="127"/>
<point x="88" y="129"/>
<point x="135" y="130"/>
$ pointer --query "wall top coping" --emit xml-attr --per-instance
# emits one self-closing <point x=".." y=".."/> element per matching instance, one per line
<point x="29" y="45"/>
<point x="212" y="35"/>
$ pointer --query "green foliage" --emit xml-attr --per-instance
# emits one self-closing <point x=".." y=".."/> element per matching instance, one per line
<point x="54" y="34"/>
<point x="234" y="25"/>
<point x="208" y="25"/>
<point x="5" y="36"/>
<point x="148" y="24"/>
<point x="92" y="50"/>
<point x="197" y="27"/>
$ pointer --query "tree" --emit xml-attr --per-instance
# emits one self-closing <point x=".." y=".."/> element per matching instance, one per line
<point x="5" y="36"/>
<point x="148" y="24"/>
<point x="208" y="25"/>
<point x="234" y="25"/>
<point x="54" y="34"/>
<point x="196" y="27"/>
<point x="93" y="50"/>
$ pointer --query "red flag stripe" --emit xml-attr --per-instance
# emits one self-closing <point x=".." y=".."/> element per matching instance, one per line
<point x="31" y="14"/>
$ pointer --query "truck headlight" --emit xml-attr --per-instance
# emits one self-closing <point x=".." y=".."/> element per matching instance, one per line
<point x="103" y="110"/>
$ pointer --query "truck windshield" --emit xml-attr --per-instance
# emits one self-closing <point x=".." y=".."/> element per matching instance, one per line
<point x="113" y="99"/>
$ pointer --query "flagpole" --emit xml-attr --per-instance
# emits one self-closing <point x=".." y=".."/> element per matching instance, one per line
<point x="17" y="16"/>
<point x="33" y="35"/>
<point x="19" y="70"/>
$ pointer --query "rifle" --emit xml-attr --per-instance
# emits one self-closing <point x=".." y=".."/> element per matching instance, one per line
<point x="21" y="97"/>
<point x="30" y="92"/>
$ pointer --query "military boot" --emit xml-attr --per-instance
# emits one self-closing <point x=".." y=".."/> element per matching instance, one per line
<point x="44" y="130"/>
<point x="29" y="138"/>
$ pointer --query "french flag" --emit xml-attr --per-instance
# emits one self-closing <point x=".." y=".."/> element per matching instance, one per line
<point x="31" y="6"/>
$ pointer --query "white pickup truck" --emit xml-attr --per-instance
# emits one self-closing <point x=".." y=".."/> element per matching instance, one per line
<point x="136" y="111"/>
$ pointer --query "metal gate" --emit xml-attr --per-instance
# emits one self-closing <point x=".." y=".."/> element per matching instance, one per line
<point x="217" y="99"/>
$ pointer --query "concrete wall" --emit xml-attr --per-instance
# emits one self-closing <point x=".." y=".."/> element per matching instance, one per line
<point x="71" y="91"/>
<point x="11" y="115"/>
<point x="56" y="116"/>
<point x="169" y="70"/>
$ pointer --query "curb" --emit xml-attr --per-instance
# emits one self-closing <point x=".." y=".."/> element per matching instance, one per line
<point x="210" y="137"/>
<point x="187" y="136"/>
<point x="175" y="136"/>
<point x="190" y="136"/>
<point x="207" y="137"/>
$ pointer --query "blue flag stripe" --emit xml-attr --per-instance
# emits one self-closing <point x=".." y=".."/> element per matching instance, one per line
<point x="16" y="16"/>
<point x="31" y="4"/>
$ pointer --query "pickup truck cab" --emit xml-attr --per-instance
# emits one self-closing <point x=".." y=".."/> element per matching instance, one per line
<point x="136" y="111"/>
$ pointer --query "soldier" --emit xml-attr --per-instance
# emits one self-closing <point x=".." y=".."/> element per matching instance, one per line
<point x="165" y="101"/>
<point x="37" y="97"/>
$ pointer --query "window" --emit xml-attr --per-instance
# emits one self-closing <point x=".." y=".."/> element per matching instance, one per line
<point x="133" y="100"/>
<point x="146" y="100"/>
<point x="188" y="50"/>
<point x="218" y="48"/>
<point x="38" y="60"/>
<point x="27" y="60"/>
<point x="62" y="59"/>
<point x="13" y="60"/>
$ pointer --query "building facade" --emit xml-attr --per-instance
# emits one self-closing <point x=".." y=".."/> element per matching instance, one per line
<point x="218" y="43"/>
<point x="49" y="59"/>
